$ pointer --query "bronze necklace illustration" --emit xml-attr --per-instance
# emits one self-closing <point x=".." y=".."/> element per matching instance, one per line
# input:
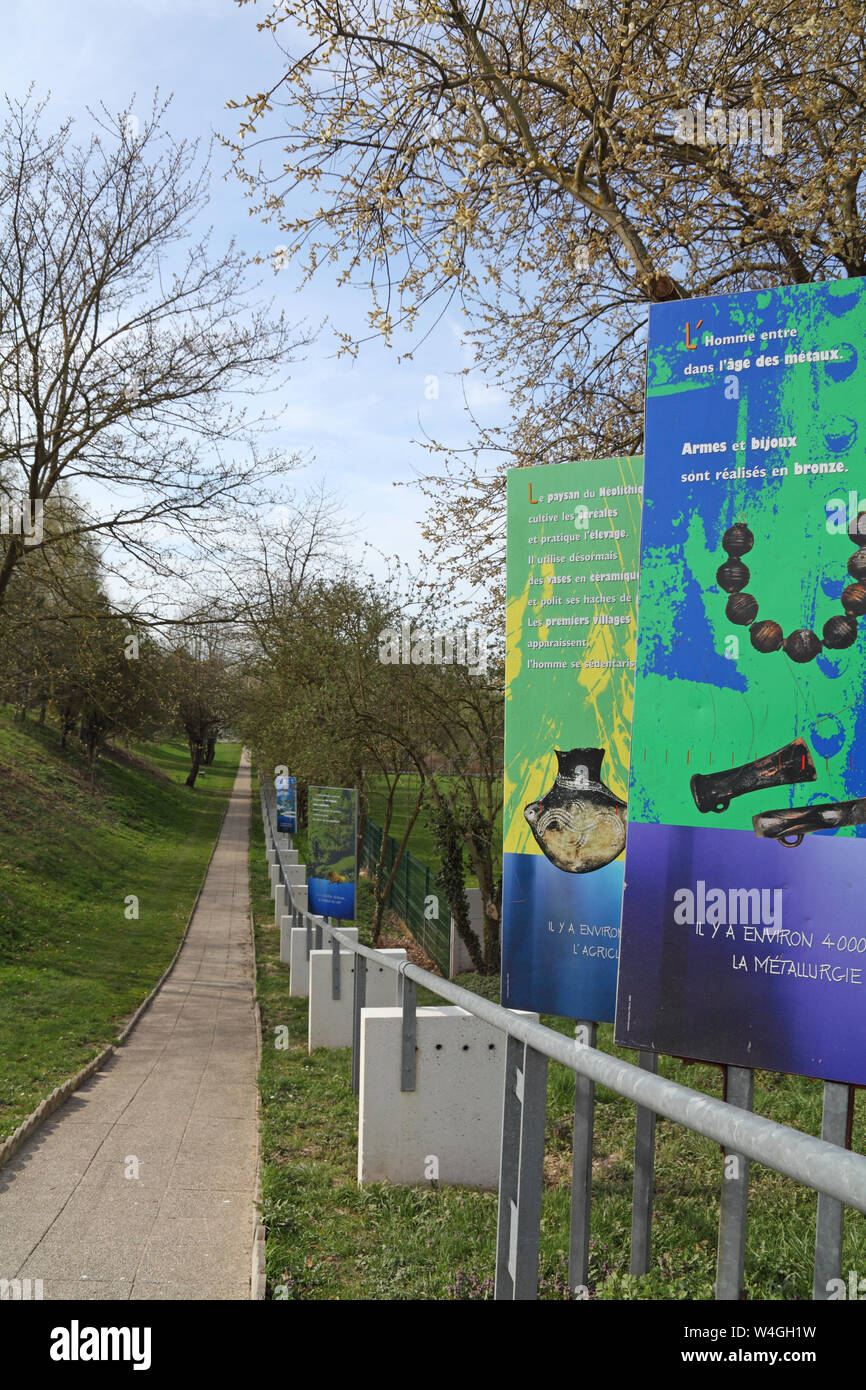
<point x="767" y="635"/>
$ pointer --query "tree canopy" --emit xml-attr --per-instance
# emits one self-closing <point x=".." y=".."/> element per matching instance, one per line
<point x="527" y="161"/>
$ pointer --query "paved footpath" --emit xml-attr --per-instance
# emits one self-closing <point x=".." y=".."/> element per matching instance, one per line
<point x="178" y="1103"/>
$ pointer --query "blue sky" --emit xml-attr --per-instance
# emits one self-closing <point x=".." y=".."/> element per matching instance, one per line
<point x="357" y="420"/>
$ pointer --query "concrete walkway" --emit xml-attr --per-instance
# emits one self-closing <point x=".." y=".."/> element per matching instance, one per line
<point x="177" y="1106"/>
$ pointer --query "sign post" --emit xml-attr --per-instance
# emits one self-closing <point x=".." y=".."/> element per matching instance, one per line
<point x="573" y="534"/>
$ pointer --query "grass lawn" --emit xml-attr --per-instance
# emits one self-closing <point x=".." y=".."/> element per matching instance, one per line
<point x="73" y="967"/>
<point x="328" y="1239"/>
<point x="421" y="842"/>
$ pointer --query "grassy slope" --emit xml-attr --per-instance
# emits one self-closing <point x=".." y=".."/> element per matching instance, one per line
<point x="327" y="1239"/>
<point x="72" y="966"/>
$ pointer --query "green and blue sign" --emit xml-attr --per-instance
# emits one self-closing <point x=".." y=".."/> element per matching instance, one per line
<point x="743" y="936"/>
<point x="287" y="805"/>
<point x="332" y="837"/>
<point x="573" y="536"/>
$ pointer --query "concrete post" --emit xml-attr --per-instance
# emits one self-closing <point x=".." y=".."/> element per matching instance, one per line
<point x="285" y="938"/>
<point x="329" y="1019"/>
<point x="287" y="926"/>
<point x="449" y="1128"/>
<point x="299" y="982"/>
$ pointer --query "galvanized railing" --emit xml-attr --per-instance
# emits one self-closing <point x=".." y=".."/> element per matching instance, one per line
<point x="837" y="1174"/>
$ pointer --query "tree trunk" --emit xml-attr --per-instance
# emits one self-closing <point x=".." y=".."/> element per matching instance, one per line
<point x="452" y="878"/>
<point x="196" y="764"/>
<point x="479" y="842"/>
<point x="378" y="913"/>
<point x="362" y="826"/>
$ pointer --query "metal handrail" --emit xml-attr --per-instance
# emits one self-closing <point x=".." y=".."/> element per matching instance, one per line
<point x="812" y="1162"/>
<point x="827" y="1168"/>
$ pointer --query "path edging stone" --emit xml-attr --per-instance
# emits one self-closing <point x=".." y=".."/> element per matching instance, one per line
<point x="258" y="1277"/>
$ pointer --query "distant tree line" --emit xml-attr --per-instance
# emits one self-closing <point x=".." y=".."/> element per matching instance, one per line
<point x="68" y="656"/>
<point x="425" y="735"/>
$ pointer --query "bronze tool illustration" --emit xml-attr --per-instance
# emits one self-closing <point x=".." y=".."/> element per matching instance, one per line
<point x="714" y="791"/>
<point x="798" y="821"/>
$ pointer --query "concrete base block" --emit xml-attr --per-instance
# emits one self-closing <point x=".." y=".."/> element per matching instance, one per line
<point x="281" y="904"/>
<point x="299" y="898"/>
<point x="299" y="982"/>
<point x="449" y="1129"/>
<point x="296" y="873"/>
<point x="275" y="878"/>
<point x="330" y="1020"/>
<point x="286" y="939"/>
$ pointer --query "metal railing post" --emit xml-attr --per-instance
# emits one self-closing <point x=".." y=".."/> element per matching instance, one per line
<point x="509" y="1168"/>
<point x="409" y="1033"/>
<point x="335" y="968"/>
<point x="359" y="999"/>
<point x="521" y="1172"/>
<point x="644" y="1177"/>
<point x="828" y="1226"/>
<point x="733" y="1213"/>
<point x="585" y="1035"/>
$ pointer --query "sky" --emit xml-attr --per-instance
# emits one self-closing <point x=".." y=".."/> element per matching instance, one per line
<point x="353" y="421"/>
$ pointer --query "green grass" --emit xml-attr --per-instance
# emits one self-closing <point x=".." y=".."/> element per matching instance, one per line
<point x="73" y="966"/>
<point x="421" y="842"/>
<point x="328" y="1239"/>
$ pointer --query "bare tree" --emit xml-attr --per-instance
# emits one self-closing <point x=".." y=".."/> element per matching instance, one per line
<point x="122" y="341"/>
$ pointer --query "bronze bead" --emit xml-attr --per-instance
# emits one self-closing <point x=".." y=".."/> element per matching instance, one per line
<point x="857" y="564"/>
<point x="741" y="608"/>
<point x="854" y="599"/>
<point x="766" y="636"/>
<point x="840" y="632"/>
<point x="738" y="539"/>
<point x="732" y="576"/>
<point x="802" y="645"/>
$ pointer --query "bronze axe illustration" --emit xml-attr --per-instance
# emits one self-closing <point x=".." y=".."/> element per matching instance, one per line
<point x="798" y="821"/>
<point x="714" y="791"/>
